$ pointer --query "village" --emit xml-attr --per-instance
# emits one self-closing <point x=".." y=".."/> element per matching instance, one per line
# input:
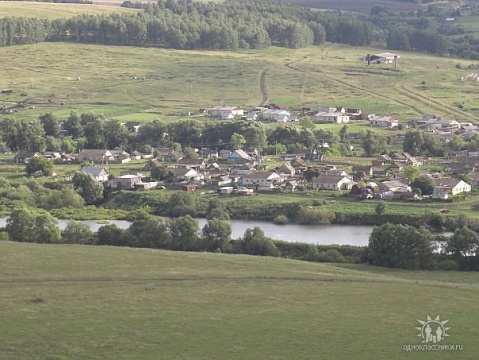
<point x="246" y="172"/>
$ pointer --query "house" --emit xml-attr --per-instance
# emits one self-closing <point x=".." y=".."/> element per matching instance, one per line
<point x="214" y="167"/>
<point x="262" y="180"/>
<point x="197" y="164"/>
<point x="25" y="157"/>
<point x="238" y="156"/>
<point x="332" y="182"/>
<point x="98" y="173"/>
<point x="120" y="156"/>
<point x="97" y="156"/>
<point x="242" y="169"/>
<point x="337" y="117"/>
<point x="225" y="112"/>
<point x="226" y="190"/>
<point x="126" y="181"/>
<point x="52" y="155"/>
<point x="447" y="187"/>
<point x="276" y="115"/>
<point x="395" y="186"/>
<point x="384" y="122"/>
<point x="186" y="175"/>
<point x="286" y="169"/>
<point x="382" y="58"/>
<point x="135" y="155"/>
<point x="381" y="160"/>
<point x="223" y="154"/>
<point x="290" y="186"/>
<point x="406" y="159"/>
<point x="354" y="114"/>
<point x="132" y="126"/>
<point x="221" y="180"/>
<point x="152" y="164"/>
<point x="206" y="153"/>
<point x="251" y="116"/>
<point x="360" y="172"/>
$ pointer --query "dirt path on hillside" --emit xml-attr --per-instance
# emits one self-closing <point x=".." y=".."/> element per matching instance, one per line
<point x="262" y="87"/>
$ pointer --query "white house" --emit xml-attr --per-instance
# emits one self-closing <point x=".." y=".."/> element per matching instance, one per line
<point x="330" y="117"/>
<point x="383" y="58"/>
<point x="98" y="173"/>
<point x="276" y="115"/>
<point x="384" y="121"/>
<point x="262" y="180"/>
<point x="446" y="188"/>
<point x="332" y="182"/>
<point x="225" y="112"/>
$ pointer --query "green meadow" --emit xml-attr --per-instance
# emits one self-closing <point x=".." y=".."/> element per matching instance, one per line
<point x="129" y="83"/>
<point x="74" y="302"/>
<point x="52" y="10"/>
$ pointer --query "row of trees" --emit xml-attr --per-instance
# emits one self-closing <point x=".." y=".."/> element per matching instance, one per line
<point x="181" y="233"/>
<point x="198" y="25"/>
<point x="407" y="247"/>
<point x="93" y="131"/>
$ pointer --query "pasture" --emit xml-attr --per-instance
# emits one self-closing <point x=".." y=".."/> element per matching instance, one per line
<point x="65" y="302"/>
<point x="53" y="10"/>
<point x="129" y="83"/>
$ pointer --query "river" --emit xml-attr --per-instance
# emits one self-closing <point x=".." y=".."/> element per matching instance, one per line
<point x="311" y="234"/>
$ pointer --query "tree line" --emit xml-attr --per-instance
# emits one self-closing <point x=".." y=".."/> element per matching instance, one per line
<point x="394" y="246"/>
<point x="180" y="24"/>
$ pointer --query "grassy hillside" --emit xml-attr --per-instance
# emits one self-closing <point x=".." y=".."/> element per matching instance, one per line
<point x="72" y="302"/>
<point x="130" y="83"/>
<point x="51" y="10"/>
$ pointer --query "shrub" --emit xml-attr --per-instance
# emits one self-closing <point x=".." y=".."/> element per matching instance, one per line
<point x="449" y="265"/>
<point x="281" y="220"/>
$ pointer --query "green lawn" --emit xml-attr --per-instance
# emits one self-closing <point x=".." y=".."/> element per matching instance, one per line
<point x="130" y="83"/>
<point x="74" y="302"/>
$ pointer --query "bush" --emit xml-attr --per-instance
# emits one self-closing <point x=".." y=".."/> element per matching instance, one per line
<point x="449" y="265"/>
<point x="331" y="256"/>
<point x="281" y="220"/>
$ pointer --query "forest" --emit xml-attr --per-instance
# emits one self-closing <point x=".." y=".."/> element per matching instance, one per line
<point x="176" y="24"/>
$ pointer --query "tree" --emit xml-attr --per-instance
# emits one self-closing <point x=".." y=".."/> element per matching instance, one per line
<point x="411" y="173"/>
<point x="425" y="183"/>
<point x="89" y="189"/>
<point x="37" y="226"/>
<point x="413" y="142"/>
<point x="343" y="133"/>
<point x="50" y="124"/>
<point x="216" y="210"/>
<point x="181" y="204"/>
<point x="373" y="144"/>
<point x="254" y="242"/>
<point x="400" y="246"/>
<point x="78" y="233"/>
<point x="307" y="122"/>
<point x="184" y="232"/>
<point x="237" y="141"/>
<point x="464" y="242"/>
<point x="151" y="234"/>
<point x="216" y="233"/>
<point x="380" y="208"/>
<point x="40" y="163"/>
<point x="110" y="235"/>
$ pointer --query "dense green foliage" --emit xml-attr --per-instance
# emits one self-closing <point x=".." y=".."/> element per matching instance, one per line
<point x="181" y="25"/>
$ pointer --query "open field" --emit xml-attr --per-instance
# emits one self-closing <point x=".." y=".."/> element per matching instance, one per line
<point x="130" y="83"/>
<point x="73" y="302"/>
<point x="53" y="11"/>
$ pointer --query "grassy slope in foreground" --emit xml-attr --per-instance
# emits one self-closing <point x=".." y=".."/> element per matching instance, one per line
<point x="72" y="302"/>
